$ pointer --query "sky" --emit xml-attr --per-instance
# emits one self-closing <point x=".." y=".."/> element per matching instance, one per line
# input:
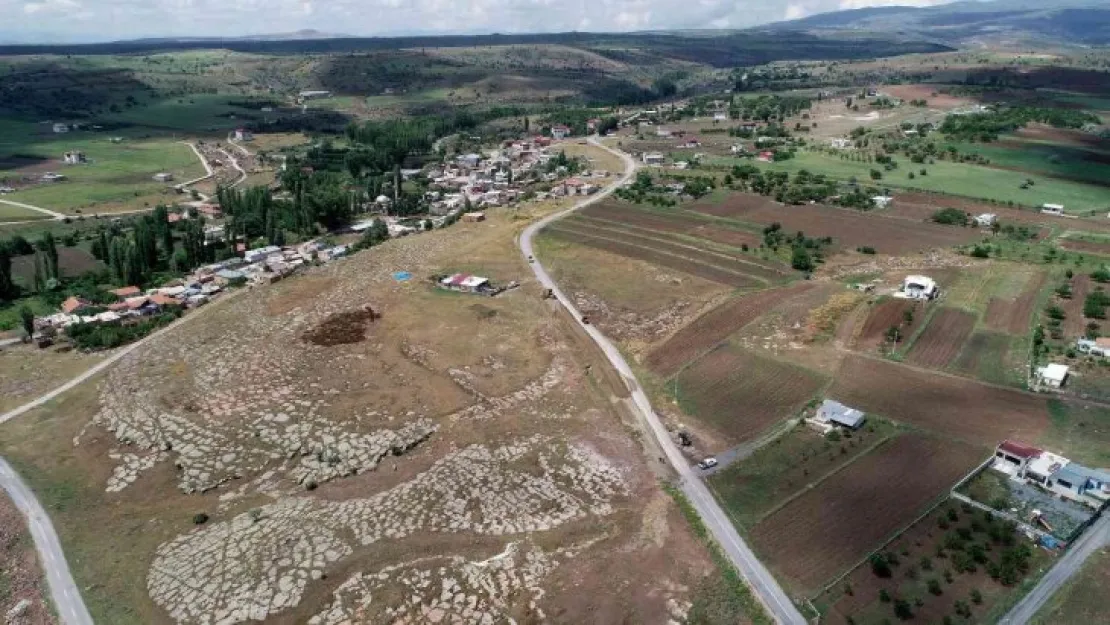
<point x="103" y="20"/>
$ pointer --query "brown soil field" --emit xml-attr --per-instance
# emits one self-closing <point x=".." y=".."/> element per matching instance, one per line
<point x="848" y="228"/>
<point x="715" y="326"/>
<point x="677" y="247"/>
<point x="1091" y="247"/>
<point x="1013" y="314"/>
<point x="958" y="407"/>
<point x="684" y="263"/>
<point x="20" y="572"/>
<point x="913" y="548"/>
<point x="889" y="312"/>
<point x="828" y="529"/>
<point x="741" y="394"/>
<point x="942" y="339"/>
<point x="1074" y="323"/>
<point x="1062" y="136"/>
<point x="929" y="93"/>
<point x="72" y="261"/>
<point x="652" y="220"/>
<point x="920" y="206"/>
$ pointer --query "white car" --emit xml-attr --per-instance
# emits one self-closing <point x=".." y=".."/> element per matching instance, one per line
<point x="708" y="463"/>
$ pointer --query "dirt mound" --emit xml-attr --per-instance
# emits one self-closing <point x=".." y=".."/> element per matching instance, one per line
<point x="342" y="328"/>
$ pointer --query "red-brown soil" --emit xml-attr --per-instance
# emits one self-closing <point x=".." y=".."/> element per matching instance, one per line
<point x="714" y="326"/>
<point x="1090" y="247"/>
<point x="889" y="312"/>
<point x="934" y="99"/>
<point x="741" y="394"/>
<point x="919" y="206"/>
<point x="942" y="339"/>
<point x="1074" y="323"/>
<point x="637" y="218"/>
<point x="1013" y="314"/>
<point x="829" y="528"/>
<point x="21" y="575"/>
<point x="958" y="407"/>
<point x="848" y="228"/>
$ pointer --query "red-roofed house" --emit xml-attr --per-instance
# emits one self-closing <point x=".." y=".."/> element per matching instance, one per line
<point x="127" y="291"/>
<point x="766" y="156"/>
<point x="211" y="210"/>
<point x="1012" y="458"/>
<point x="164" y="300"/>
<point x="173" y="218"/>
<point x="73" y="304"/>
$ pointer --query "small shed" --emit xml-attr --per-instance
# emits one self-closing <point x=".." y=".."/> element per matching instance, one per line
<point x="844" y="416"/>
<point x="163" y="177"/>
<point x="474" y="216"/>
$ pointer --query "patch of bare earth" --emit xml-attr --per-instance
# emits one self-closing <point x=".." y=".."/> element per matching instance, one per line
<point x="23" y="589"/>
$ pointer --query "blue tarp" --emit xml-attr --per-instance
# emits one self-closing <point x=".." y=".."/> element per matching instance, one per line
<point x="402" y="276"/>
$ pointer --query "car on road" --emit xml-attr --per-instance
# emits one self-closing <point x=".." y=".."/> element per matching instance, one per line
<point x="708" y="463"/>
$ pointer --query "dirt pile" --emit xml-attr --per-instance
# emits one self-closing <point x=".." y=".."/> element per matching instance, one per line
<point x="342" y="328"/>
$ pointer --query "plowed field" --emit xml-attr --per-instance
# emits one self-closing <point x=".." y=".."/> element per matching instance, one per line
<point x="688" y="262"/>
<point x="1013" y="314"/>
<point x="887" y="313"/>
<point x="677" y="224"/>
<point x="703" y="333"/>
<point x="1074" y="323"/>
<point x="942" y="338"/>
<point x="848" y="228"/>
<point x="956" y="407"/>
<point x="822" y="533"/>
<point x="921" y="206"/>
<point x="741" y="394"/>
<point x="1088" y="247"/>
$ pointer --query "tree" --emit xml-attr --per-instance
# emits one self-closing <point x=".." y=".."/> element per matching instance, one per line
<point x="893" y="334"/>
<point x="879" y="566"/>
<point x="934" y="587"/>
<point x="976" y="596"/>
<point x="876" y="174"/>
<point x="8" y="289"/>
<point x="27" y="318"/>
<point x="50" y="256"/>
<point x="902" y="609"/>
<point x="801" y="259"/>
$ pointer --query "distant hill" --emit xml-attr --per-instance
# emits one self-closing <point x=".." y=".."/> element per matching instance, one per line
<point x="300" y="35"/>
<point x="1085" y="22"/>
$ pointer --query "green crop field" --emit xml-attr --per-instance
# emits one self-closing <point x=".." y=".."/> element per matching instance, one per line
<point x="954" y="178"/>
<point x="118" y="176"/>
<point x="1045" y="159"/>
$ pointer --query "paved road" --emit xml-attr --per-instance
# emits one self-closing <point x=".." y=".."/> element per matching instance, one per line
<point x="1096" y="536"/>
<point x="67" y="598"/>
<point x="764" y="586"/>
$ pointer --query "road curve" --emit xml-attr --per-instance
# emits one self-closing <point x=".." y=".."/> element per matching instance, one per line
<point x="67" y="598"/>
<point x="763" y="585"/>
<point x="1094" y="538"/>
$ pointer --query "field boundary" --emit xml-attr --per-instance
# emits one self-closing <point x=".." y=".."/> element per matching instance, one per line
<point x="810" y="486"/>
<point x="900" y="354"/>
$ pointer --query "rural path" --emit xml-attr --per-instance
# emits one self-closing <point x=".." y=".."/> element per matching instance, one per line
<point x="67" y="597"/>
<point x="743" y="451"/>
<point x="38" y="209"/>
<point x="1096" y="537"/>
<point x="234" y="165"/>
<point x="763" y="585"/>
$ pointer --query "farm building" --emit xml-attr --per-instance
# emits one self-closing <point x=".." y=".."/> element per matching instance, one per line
<point x="690" y="143"/>
<point x="466" y="283"/>
<point x="1053" y="375"/>
<point x="1052" y="209"/>
<point x="918" y="287"/>
<point x="766" y="156"/>
<point x="313" y="94"/>
<point x="52" y="177"/>
<point x="73" y="304"/>
<point x="474" y="216"/>
<point x="163" y="177"/>
<point x="834" y="412"/>
<point x="255" y="255"/>
<point x="60" y="128"/>
<point x="654" y="158"/>
<point x="560" y="131"/>
<point x="882" y="201"/>
<point x="74" y="157"/>
<point x="242" y="134"/>
<point x="840" y="143"/>
<point x="986" y="220"/>
<point x="1097" y="347"/>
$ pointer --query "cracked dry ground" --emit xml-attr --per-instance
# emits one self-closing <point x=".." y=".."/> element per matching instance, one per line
<point x="454" y="463"/>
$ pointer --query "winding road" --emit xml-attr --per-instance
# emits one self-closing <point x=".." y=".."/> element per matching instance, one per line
<point x="762" y="583"/>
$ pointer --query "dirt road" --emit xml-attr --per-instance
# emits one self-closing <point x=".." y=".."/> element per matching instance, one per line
<point x="764" y="586"/>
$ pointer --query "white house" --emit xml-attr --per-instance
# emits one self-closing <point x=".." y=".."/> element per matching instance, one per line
<point x="60" y="127"/>
<point x="560" y="131"/>
<point x="986" y="220"/>
<point x="720" y="116"/>
<point x="242" y="134"/>
<point x="1052" y="209"/>
<point x="840" y="143"/>
<point x="74" y="157"/>
<point x="881" y="201"/>
<point x="1052" y="375"/>
<point x="918" y="287"/>
<point x="163" y="177"/>
<point x="313" y="94"/>
<point x="653" y="158"/>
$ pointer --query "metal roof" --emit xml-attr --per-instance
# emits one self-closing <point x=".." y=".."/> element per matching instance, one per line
<point x="839" y="413"/>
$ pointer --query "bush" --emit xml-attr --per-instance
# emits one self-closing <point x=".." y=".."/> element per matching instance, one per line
<point x="200" y="518"/>
<point x="934" y="587"/>
<point x="884" y="596"/>
<point x="879" y="566"/>
<point x="980" y="251"/>
<point x="866" y="249"/>
<point x="902" y="609"/>
<point x="976" y="596"/>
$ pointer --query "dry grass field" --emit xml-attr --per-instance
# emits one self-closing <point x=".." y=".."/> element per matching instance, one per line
<point x="459" y="440"/>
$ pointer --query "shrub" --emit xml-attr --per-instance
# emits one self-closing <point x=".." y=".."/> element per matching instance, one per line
<point x="950" y="217"/>
<point x="934" y="587"/>
<point x="884" y="596"/>
<point x="866" y="249"/>
<point x="976" y="596"/>
<point x="902" y="609"/>
<point x="879" y="566"/>
<point x="200" y="518"/>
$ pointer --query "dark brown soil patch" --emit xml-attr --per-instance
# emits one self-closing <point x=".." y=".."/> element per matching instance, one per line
<point x="342" y="328"/>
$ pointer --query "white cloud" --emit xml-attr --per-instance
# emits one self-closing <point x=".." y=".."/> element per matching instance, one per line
<point x="115" y="19"/>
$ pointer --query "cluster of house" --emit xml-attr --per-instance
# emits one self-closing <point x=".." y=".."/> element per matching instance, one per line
<point x="1053" y="473"/>
<point x="497" y="177"/>
<point x="832" y="414"/>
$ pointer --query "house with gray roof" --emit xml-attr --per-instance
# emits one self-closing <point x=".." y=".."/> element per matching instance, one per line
<point x="832" y="411"/>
